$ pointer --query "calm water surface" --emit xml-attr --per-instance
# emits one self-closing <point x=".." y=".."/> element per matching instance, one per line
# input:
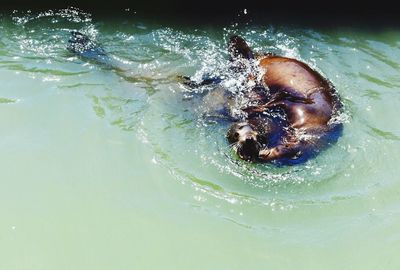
<point x="108" y="170"/>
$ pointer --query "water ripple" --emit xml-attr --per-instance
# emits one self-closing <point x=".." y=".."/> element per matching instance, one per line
<point x="148" y="100"/>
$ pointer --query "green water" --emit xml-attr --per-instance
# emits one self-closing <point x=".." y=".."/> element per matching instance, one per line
<point x="102" y="170"/>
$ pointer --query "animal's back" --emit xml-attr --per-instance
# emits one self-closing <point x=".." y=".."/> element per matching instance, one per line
<point x="293" y="76"/>
<point x="288" y="73"/>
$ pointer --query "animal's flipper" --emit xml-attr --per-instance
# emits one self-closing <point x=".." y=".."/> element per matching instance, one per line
<point x="83" y="46"/>
<point x="279" y="99"/>
<point x="238" y="48"/>
<point x="291" y="150"/>
<point x="206" y="80"/>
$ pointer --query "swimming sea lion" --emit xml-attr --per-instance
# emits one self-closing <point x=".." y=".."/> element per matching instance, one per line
<point x="292" y="104"/>
<point x="304" y="97"/>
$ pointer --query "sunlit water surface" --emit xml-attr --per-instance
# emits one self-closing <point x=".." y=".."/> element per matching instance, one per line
<point x="103" y="170"/>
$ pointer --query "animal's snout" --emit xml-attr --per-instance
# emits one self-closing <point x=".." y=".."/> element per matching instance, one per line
<point x="251" y="143"/>
<point x="249" y="147"/>
<point x="250" y="139"/>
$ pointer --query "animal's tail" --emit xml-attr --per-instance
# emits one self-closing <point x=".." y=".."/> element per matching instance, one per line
<point x="83" y="46"/>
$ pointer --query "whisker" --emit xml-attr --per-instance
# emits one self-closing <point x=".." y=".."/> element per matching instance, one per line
<point x="239" y="147"/>
<point x="232" y="145"/>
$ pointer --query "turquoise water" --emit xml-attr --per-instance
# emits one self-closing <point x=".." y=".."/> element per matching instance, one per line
<point x="122" y="170"/>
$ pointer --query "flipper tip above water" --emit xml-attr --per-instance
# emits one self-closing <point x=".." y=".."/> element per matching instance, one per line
<point x="83" y="46"/>
<point x="238" y="47"/>
<point x="79" y="43"/>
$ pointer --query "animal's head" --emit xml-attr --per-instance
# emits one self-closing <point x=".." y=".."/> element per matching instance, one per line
<point x="244" y="138"/>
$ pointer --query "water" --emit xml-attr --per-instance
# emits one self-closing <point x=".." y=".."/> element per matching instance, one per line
<point x="103" y="170"/>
